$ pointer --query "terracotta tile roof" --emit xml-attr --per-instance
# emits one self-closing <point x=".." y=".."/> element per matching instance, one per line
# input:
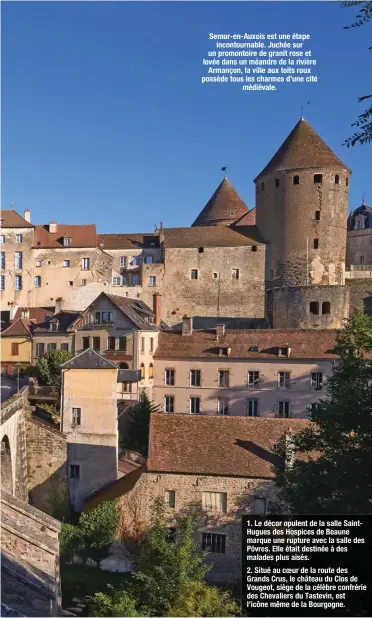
<point x="20" y="328"/>
<point x="11" y="218"/>
<point x="224" y="207"/>
<point x="303" y="148"/>
<point x="128" y="241"/>
<point x="248" y="219"/>
<point x="304" y="344"/>
<point x="81" y="236"/>
<point x="65" y="319"/>
<point x="38" y="314"/>
<point x="211" y="236"/>
<point x="228" y="446"/>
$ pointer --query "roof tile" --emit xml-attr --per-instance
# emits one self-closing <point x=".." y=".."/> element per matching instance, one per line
<point x="224" y="207"/>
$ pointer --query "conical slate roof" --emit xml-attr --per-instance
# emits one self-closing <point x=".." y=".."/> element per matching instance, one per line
<point x="303" y="148"/>
<point x="224" y="207"/>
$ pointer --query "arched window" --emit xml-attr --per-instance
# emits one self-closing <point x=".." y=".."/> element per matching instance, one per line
<point x="326" y="307"/>
<point x="123" y="366"/>
<point x="337" y="179"/>
<point x="142" y="371"/>
<point x="6" y="466"/>
<point x="151" y="371"/>
<point x="314" y="308"/>
<point x="296" y="180"/>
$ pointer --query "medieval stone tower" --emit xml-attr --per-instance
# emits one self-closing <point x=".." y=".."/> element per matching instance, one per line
<point x="301" y="212"/>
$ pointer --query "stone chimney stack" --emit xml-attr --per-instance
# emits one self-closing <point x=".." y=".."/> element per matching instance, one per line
<point x="220" y="331"/>
<point x="27" y="215"/>
<point x="53" y="227"/>
<point x="12" y="310"/>
<point x="156" y="307"/>
<point x="59" y="305"/>
<point x="187" y="325"/>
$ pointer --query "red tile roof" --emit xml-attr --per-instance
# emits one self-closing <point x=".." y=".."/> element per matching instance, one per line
<point x="226" y="446"/>
<point x="224" y="207"/>
<point x="304" y="344"/>
<point x="20" y="328"/>
<point x="38" y="314"/>
<point x="248" y="219"/>
<point x="128" y="241"/>
<point x="303" y="148"/>
<point x="211" y="236"/>
<point x="10" y="218"/>
<point x="81" y="236"/>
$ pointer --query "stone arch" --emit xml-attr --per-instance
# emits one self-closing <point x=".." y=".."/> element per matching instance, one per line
<point x="123" y="366"/>
<point x="6" y="466"/>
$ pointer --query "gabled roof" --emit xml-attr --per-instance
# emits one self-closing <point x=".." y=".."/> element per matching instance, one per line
<point x="20" y="328"/>
<point x="89" y="359"/>
<point x="65" y="319"/>
<point x="226" y="446"/>
<point x="133" y="308"/>
<point x="211" y="236"/>
<point x="11" y="218"/>
<point x="224" y="207"/>
<point x="37" y="314"/>
<point x="128" y="241"/>
<point x="303" y="148"/>
<point x="81" y="236"/>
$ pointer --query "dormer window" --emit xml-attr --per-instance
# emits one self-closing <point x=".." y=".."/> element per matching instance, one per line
<point x="25" y="313"/>
<point x="284" y="351"/>
<point x="254" y="348"/>
<point x="53" y="326"/>
<point x="67" y="241"/>
<point x="224" y="350"/>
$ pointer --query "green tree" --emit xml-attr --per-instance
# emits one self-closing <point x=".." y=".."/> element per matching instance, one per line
<point x="114" y="602"/>
<point x="199" y="599"/>
<point x="331" y="469"/>
<point x="48" y="367"/>
<point x="137" y="434"/>
<point x="364" y="121"/>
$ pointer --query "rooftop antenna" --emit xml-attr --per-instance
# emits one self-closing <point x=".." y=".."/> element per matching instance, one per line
<point x="363" y="199"/>
<point x="224" y="169"/>
<point x="302" y="110"/>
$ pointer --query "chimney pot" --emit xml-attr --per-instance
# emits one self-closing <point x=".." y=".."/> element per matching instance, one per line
<point x="156" y="307"/>
<point x="52" y="227"/>
<point x="187" y="326"/>
<point x="27" y="215"/>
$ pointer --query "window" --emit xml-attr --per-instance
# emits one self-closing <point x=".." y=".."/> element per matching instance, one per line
<point x="254" y="248"/>
<point x="51" y="346"/>
<point x="135" y="261"/>
<point x="37" y="282"/>
<point x="194" y="273"/>
<point x="169" y="377"/>
<point x="85" y="343"/>
<point x="85" y="263"/>
<point x="2" y="283"/>
<point x="326" y="307"/>
<point x="2" y="239"/>
<point x="277" y="182"/>
<point x="195" y="376"/>
<point x="74" y="472"/>
<point x="358" y="242"/>
<point x="18" y="282"/>
<point x="15" y="349"/>
<point x="361" y="260"/>
<point x="252" y="407"/>
<point x="54" y="326"/>
<point x="143" y="374"/>
<point x="122" y="344"/>
<point x="135" y="280"/>
<point x="222" y="407"/>
<point x="318" y="179"/>
<point x="317" y="215"/>
<point x="149" y="259"/>
<point x="97" y="317"/>
<point x="253" y="379"/>
<point x="262" y="186"/>
<point x="111" y="343"/>
<point x="2" y="260"/>
<point x="116" y="281"/>
<point x="151" y="371"/>
<point x="235" y="273"/>
<point x="296" y="180"/>
<point x="214" y="501"/>
<point x="103" y="317"/>
<point x="151" y="344"/>
<point x="215" y="275"/>
<point x="194" y="405"/>
<point x="170" y="498"/>
<point x="64" y="346"/>
<point x="223" y="378"/>
<point x="314" y="308"/>
<point x="214" y="543"/>
<point x="142" y="345"/>
<point x="70" y="284"/>
<point x="25" y="313"/>
<point x="127" y="387"/>
<point x="67" y="241"/>
<point x="283" y="409"/>
<point x="313" y="409"/>
<point x="259" y="506"/>
<point x="66" y="263"/>
<point x="317" y="380"/>
<point x="284" y="379"/>
<point x="97" y="343"/>
<point x="39" y="350"/>
<point x="337" y="179"/>
<point x="38" y="264"/>
<point x="76" y="416"/>
<point x="123" y="261"/>
<point x="169" y="404"/>
<point x="347" y="182"/>
<point x="284" y="351"/>
<point x="18" y="238"/>
<point x="152" y="282"/>
<point x="316" y="243"/>
<point x="18" y="260"/>
<point x="83" y="282"/>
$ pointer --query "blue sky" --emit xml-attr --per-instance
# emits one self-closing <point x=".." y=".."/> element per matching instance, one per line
<point x="105" y="119"/>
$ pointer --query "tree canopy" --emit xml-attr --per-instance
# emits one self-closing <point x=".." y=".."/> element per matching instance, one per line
<point x="48" y="369"/>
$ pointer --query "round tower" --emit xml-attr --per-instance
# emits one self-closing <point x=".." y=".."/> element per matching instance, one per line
<point x="301" y="212"/>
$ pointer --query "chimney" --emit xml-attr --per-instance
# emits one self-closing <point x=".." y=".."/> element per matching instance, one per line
<point x="156" y="307"/>
<point x="27" y="215"/>
<point x="59" y="305"/>
<point x="12" y="310"/>
<point x="186" y="326"/>
<point x="220" y="331"/>
<point x="52" y="227"/>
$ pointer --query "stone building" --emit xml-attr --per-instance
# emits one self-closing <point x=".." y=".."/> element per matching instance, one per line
<point x="216" y="469"/>
<point x="16" y="242"/>
<point x="359" y="240"/>
<point x="266" y="373"/>
<point x="53" y="333"/>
